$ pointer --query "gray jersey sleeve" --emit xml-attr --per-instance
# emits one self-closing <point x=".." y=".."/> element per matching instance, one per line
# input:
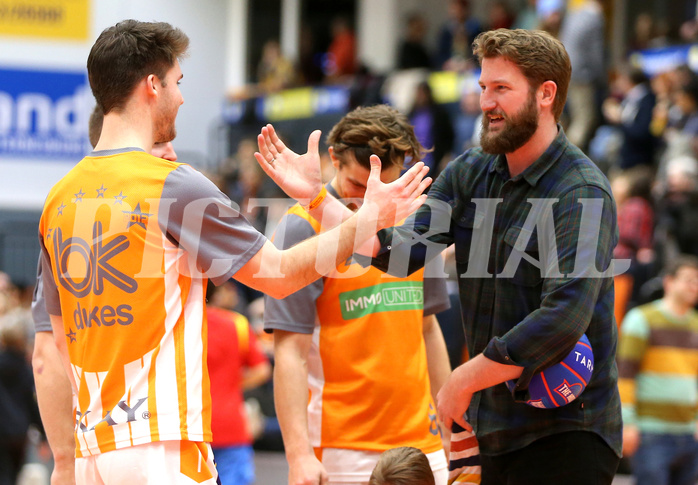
<point x="435" y="291"/>
<point x="52" y="303"/>
<point x="42" y="322"/>
<point x="296" y="312"/>
<point x="201" y="219"/>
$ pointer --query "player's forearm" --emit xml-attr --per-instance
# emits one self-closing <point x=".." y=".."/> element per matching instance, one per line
<point x="315" y="257"/>
<point x="480" y="373"/>
<point x="291" y="399"/>
<point x="437" y="355"/>
<point x="318" y="256"/>
<point x="55" y="398"/>
<point x="59" y="342"/>
<point x="331" y="212"/>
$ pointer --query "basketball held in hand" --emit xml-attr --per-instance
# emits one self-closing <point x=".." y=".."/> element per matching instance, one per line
<point x="561" y="383"/>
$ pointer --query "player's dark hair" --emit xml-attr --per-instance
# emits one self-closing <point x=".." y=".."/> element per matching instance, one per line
<point x="128" y="52"/>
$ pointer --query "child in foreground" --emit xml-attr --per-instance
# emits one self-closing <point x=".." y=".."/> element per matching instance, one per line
<point x="402" y="466"/>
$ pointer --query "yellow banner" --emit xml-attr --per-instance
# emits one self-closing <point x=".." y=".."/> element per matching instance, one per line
<point x="445" y="86"/>
<point x="45" y="19"/>
<point x="290" y="104"/>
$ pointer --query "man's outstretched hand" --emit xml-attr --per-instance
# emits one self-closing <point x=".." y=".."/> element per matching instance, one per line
<point x="388" y="204"/>
<point x="299" y="176"/>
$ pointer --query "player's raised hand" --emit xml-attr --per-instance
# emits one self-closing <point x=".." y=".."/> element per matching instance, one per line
<point x="390" y="203"/>
<point x="298" y="175"/>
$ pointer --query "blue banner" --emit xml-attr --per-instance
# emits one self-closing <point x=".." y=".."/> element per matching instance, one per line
<point x="662" y="59"/>
<point x="44" y="114"/>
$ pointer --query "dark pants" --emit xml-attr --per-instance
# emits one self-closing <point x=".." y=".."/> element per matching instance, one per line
<point x="570" y="458"/>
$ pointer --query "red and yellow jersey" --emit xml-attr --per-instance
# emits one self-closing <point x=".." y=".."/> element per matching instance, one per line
<point x="367" y="367"/>
<point x="232" y="349"/>
<point x="128" y="241"/>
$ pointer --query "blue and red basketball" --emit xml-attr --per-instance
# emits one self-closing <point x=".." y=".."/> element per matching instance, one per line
<point x="561" y="383"/>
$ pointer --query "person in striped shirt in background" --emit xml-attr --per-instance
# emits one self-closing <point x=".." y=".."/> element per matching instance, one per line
<point x="658" y="370"/>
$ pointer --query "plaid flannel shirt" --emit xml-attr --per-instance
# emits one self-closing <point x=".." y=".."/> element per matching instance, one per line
<point x="546" y="287"/>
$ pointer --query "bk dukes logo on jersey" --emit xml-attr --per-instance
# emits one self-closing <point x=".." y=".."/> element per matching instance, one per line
<point x="96" y="258"/>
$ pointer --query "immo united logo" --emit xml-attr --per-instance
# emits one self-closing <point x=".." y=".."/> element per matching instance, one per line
<point x="385" y="297"/>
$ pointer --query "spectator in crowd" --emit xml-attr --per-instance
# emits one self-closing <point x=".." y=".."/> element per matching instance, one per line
<point x="632" y="192"/>
<point x="365" y="87"/>
<point x="677" y="209"/>
<point x="633" y="116"/>
<point x="550" y="13"/>
<point x="9" y="294"/>
<point x="682" y="75"/>
<point x="402" y="466"/>
<point x="274" y="71"/>
<point x="527" y="17"/>
<point x="468" y="118"/>
<point x="341" y="54"/>
<point x="433" y="127"/>
<point x="17" y="402"/>
<point x="236" y="362"/>
<point x="658" y="376"/>
<point x="665" y="114"/>
<point x="456" y="37"/>
<point x="674" y="115"/>
<point x="413" y="53"/>
<point x="582" y="34"/>
<point x="499" y="16"/>
<point x="689" y="30"/>
<point x="687" y="103"/>
<point x="648" y="32"/>
<point x="309" y="60"/>
<point x="643" y="32"/>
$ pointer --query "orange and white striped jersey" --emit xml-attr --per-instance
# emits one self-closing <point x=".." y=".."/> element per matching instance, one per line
<point x="367" y="366"/>
<point x="128" y="242"/>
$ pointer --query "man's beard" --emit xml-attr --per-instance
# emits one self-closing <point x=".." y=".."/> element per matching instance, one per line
<point x="165" y="129"/>
<point x="518" y="129"/>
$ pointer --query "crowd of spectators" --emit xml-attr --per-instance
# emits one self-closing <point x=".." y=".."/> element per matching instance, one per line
<point x="21" y="424"/>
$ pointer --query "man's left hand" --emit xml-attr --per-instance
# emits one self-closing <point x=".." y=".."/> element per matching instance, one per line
<point x="453" y="400"/>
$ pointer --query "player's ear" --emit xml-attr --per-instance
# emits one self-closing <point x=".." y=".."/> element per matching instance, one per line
<point x="333" y="158"/>
<point x="152" y="84"/>
<point x="546" y="93"/>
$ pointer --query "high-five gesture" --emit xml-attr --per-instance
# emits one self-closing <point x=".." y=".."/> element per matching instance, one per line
<point x="392" y="202"/>
<point x="298" y="175"/>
